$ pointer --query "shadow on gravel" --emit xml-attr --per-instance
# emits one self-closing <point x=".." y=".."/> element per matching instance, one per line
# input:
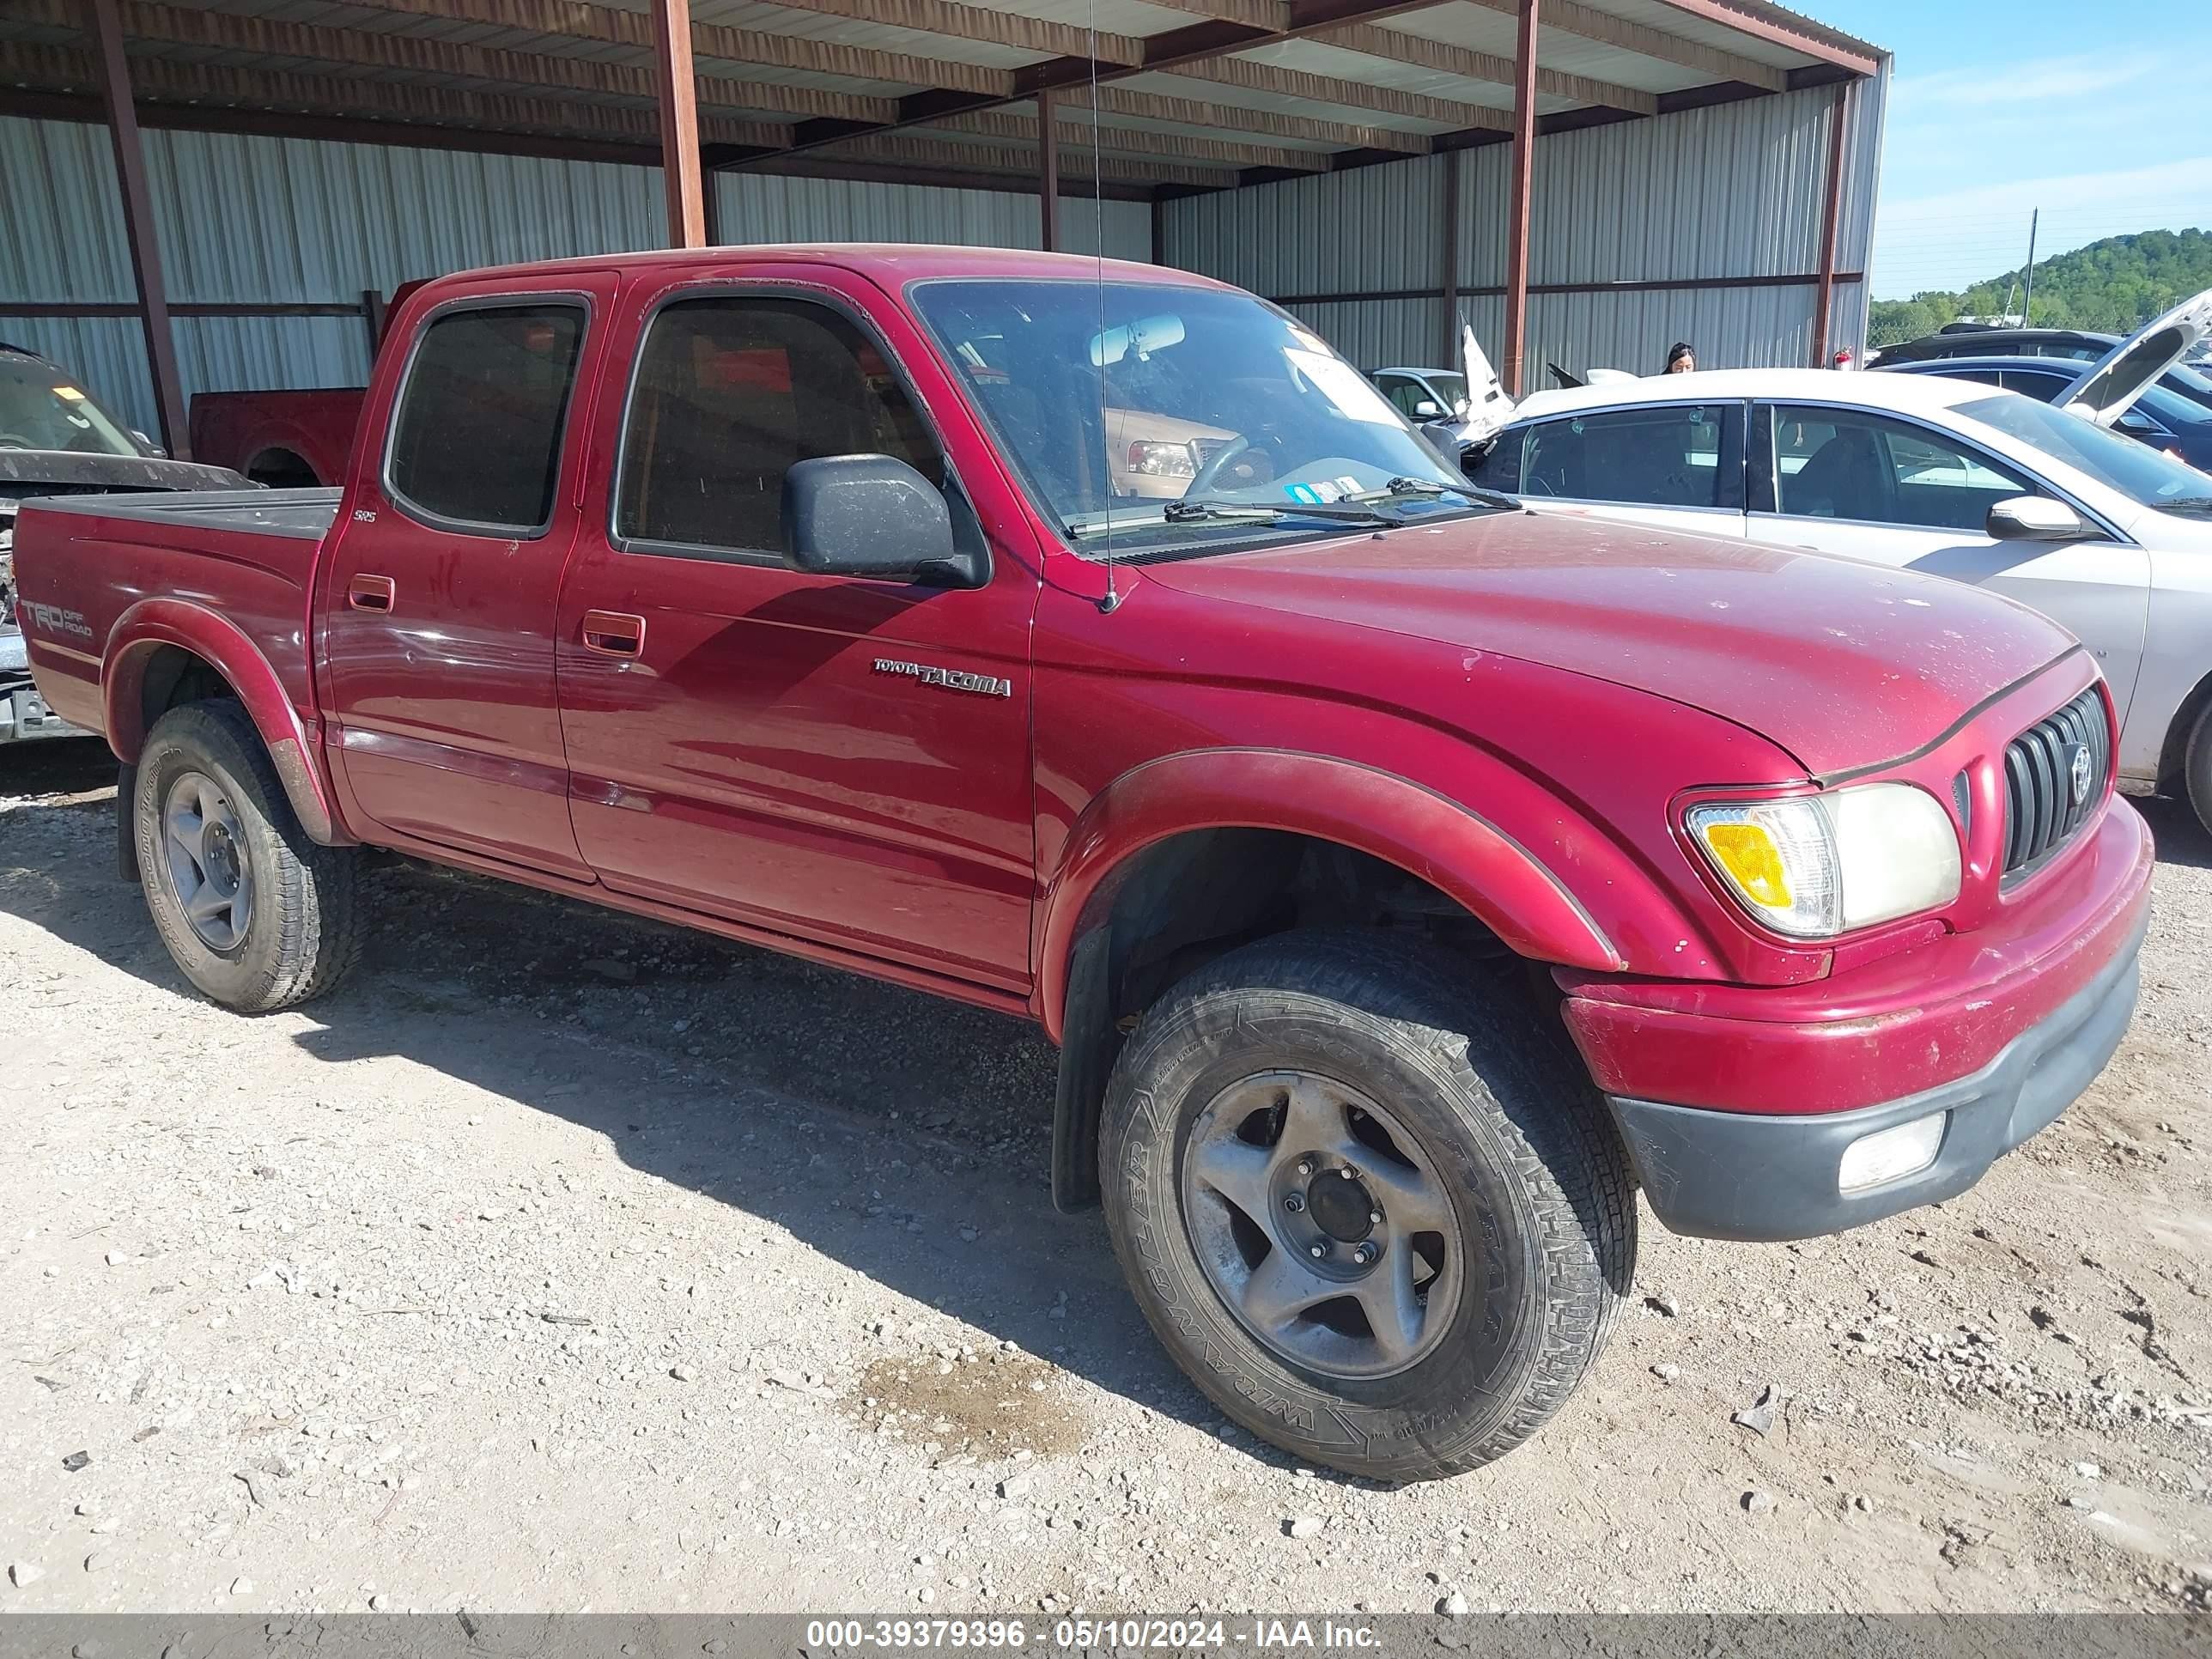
<point x="2182" y="838"/>
<point x="902" y="1136"/>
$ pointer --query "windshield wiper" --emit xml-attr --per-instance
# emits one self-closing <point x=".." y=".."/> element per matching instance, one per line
<point x="1431" y="486"/>
<point x="1187" y="511"/>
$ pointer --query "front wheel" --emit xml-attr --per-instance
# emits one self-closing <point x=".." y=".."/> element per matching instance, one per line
<point x="1366" y="1201"/>
<point x="2196" y="766"/>
<point x="257" y="915"/>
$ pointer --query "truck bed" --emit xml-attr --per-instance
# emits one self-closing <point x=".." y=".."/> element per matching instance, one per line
<point x="87" y="565"/>
<point x="305" y="513"/>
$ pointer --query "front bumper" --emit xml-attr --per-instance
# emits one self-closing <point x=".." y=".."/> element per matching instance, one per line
<point x="1741" y="1176"/>
<point x="1736" y="1103"/>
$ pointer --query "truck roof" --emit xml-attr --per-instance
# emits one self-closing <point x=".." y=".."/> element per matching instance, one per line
<point x="890" y="263"/>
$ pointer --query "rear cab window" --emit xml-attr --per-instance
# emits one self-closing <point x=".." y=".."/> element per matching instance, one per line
<point x="475" y="434"/>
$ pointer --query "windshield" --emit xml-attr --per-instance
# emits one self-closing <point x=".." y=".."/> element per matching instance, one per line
<point x="41" y="409"/>
<point x="1452" y="388"/>
<point x="2136" y="470"/>
<point x="1158" y="415"/>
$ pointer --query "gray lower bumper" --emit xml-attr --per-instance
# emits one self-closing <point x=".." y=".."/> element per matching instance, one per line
<point x="1734" y="1175"/>
<point x="24" y="715"/>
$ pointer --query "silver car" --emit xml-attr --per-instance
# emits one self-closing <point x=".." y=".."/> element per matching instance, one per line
<point x="2037" y="500"/>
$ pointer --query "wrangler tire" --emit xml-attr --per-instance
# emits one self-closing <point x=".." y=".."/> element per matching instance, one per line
<point x="1481" y="1163"/>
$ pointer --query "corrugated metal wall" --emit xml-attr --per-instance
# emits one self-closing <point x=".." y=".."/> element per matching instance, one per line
<point x="1736" y="190"/>
<point x="257" y="221"/>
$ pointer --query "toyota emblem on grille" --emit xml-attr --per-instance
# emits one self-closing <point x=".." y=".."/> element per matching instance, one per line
<point x="2079" y="769"/>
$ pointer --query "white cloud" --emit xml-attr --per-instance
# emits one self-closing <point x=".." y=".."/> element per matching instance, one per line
<point x="2013" y="86"/>
<point x="2180" y="183"/>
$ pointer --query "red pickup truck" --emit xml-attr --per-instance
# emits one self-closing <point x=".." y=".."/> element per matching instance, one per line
<point x="1405" y="877"/>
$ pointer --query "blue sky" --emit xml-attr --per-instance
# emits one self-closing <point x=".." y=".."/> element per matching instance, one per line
<point x="2099" y="115"/>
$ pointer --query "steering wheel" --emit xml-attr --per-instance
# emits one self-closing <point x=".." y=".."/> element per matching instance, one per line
<point x="15" y="441"/>
<point x="1237" y="465"/>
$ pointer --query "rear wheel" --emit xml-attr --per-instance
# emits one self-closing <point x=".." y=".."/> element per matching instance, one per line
<point x="256" y="915"/>
<point x="1372" y="1209"/>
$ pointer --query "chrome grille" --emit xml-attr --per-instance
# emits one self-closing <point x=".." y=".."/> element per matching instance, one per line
<point x="2041" y="812"/>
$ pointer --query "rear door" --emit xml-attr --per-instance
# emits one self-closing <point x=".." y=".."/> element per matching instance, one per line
<point x="438" y="616"/>
<point x="838" y="759"/>
<point x="1679" y="465"/>
<point x="1889" y="490"/>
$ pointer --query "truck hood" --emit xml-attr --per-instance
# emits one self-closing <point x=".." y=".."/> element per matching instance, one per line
<point x="1842" y="665"/>
<point x="28" y="472"/>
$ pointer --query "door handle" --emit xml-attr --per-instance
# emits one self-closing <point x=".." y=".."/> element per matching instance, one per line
<point x="614" y="634"/>
<point x="368" y="592"/>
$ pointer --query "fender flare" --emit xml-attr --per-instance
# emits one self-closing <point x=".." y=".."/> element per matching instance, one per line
<point x="151" y="623"/>
<point x="1449" y="845"/>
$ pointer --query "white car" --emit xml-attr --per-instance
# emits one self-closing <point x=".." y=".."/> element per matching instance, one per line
<point x="1947" y="476"/>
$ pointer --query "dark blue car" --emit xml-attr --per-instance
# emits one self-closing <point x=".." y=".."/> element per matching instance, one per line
<point x="2161" y="416"/>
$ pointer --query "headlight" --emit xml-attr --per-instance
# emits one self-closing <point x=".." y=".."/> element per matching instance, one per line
<point x="1815" y="865"/>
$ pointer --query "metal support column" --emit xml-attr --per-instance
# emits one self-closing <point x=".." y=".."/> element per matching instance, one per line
<point x="1048" y="171"/>
<point x="1448" y="262"/>
<point x="1517" y="235"/>
<point x="1824" y="296"/>
<point x="678" y="87"/>
<point x="138" y="227"/>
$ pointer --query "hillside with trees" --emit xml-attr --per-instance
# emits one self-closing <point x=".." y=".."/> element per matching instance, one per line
<point x="2114" y="285"/>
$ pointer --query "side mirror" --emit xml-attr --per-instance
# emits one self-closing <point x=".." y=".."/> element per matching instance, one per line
<point x="2136" y="425"/>
<point x="875" y="517"/>
<point x="1428" y="410"/>
<point x="2036" y="519"/>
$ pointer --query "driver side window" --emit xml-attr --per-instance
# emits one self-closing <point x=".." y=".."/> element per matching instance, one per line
<point x="731" y="391"/>
<point x="1848" y="463"/>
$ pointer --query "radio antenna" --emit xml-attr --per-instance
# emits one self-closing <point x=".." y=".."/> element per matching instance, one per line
<point x="1098" y="250"/>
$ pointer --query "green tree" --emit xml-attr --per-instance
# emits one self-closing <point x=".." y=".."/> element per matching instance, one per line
<point x="2113" y="285"/>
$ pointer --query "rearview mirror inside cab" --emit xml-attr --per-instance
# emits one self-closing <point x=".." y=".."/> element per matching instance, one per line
<point x="871" y="516"/>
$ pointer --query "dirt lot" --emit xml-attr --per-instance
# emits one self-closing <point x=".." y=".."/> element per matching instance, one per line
<point x="565" y="1262"/>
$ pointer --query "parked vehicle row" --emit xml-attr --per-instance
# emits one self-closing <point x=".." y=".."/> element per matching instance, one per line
<point x="1926" y="470"/>
<point x="2160" y="417"/>
<point x="1405" y="875"/>
<point x="56" y="440"/>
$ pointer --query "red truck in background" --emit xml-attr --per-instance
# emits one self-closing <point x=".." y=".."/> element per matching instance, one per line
<point x="285" y="440"/>
<point x="288" y="439"/>
<point x="1404" y="877"/>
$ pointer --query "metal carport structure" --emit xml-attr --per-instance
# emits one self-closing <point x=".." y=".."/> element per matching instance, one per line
<point x="1384" y="168"/>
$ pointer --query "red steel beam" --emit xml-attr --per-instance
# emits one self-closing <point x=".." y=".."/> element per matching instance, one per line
<point x="1048" y="173"/>
<point x="138" y="227"/>
<point x="679" y="86"/>
<point x="1516" y="233"/>
<point x="1778" y="27"/>
<point x="1830" y="213"/>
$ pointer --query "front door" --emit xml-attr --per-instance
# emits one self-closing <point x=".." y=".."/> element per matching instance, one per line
<point x="437" y="622"/>
<point x="839" y="759"/>
<point x="1893" y="491"/>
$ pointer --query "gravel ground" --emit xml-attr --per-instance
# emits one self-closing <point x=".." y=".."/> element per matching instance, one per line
<point x="567" y="1261"/>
